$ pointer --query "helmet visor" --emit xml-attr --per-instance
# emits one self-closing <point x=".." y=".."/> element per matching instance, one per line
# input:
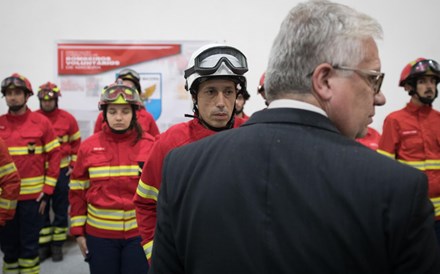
<point x="13" y="82"/>
<point x="130" y="74"/>
<point x="426" y="66"/>
<point x="112" y="93"/>
<point x="210" y="60"/>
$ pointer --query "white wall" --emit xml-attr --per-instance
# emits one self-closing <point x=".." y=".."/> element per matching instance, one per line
<point x="29" y="30"/>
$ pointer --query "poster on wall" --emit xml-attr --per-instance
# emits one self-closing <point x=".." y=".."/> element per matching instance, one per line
<point x="84" y="68"/>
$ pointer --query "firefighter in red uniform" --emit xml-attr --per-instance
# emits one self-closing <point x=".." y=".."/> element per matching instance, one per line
<point x="9" y="185"/>
<point x="103" y="183"/>
<point x="214" y="78"/>
<point x="31" y="142"/>
<point x="132" y="79"/>
<point x="411" y="135"/>
<point x="54" y="233"/>
<point x="239" y="105"/>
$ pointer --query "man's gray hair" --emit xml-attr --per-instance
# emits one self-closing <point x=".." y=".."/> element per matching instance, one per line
<point x="316" y="32"/>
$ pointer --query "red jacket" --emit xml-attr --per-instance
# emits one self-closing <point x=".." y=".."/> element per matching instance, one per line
<point x="412" y="136"/>
<point x="103" y="183"/>
<point x="145" y="198"/>
<point x="145" y="119"/>
<point x="371" y="139"/>
<point x="67" y="131"/>
<point x="9" y="185"/>
<point x="31" y="141"/>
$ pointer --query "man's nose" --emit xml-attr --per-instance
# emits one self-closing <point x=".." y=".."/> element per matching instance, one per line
<point x="379" y="99"/>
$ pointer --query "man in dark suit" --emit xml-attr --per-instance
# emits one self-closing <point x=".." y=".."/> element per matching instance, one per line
<point x="291" y="191"/>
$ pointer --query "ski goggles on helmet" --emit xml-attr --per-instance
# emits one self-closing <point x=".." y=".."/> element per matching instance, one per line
<point x="129" y="74"/>
<point x="112" y="93"/>
<point x="12" y="82"/>
<point x="427" y="66"/>
<point x="47" y="94"/>
<point x="209" y="61"/>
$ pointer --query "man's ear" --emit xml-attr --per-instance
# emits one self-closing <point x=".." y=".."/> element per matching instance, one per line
<point x="408" y="87"/>
<point x="321" y="81"/>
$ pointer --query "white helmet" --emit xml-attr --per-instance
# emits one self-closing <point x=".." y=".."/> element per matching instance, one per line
<point x="216" y="60"/>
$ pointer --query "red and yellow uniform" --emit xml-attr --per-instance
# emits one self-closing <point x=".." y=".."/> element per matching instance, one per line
<point x="31" y="141"/>
<point x="67" y="130"/>
<point x="147" y="191"/>
<point x="103" y="183"/>
<point x="145" y="119"/>
<point x="9" y="185"/>
<point x="411" y="136"/>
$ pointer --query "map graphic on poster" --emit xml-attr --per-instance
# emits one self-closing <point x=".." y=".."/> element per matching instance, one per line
<point x="85" y="68"/>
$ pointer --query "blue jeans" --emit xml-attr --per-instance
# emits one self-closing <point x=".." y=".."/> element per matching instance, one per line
<point x="116" y="256"/>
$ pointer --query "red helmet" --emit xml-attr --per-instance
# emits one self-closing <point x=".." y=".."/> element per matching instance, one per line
<point x="419" y="67"/>
<point x="48" y="91"/>
<point x="260" y="88"/>
<point x="17" y="81"/>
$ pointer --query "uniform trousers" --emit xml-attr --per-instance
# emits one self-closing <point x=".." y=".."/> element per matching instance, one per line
<point x="116" y="256"/>
<point x="19" y="239"/>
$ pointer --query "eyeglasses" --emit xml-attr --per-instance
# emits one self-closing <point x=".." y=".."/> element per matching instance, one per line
<point x="425" y="66"/>
<point x="110" y="94"/>
<point x="208" y="62"/>
<point x="373" y="77"/>
<point x="129" y="73"/>
<point x="13" y="82"/>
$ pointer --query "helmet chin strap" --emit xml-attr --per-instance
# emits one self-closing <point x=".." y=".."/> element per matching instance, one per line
<point x="423" y="100"/>
<point x="228" y="125"/>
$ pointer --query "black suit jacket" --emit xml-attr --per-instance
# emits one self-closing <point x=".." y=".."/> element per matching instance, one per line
<point x="287" y="193"/>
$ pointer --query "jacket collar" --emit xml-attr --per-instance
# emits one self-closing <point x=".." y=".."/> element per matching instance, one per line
<point x="292" y="116"/>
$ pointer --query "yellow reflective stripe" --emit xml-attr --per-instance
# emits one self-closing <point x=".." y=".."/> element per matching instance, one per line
<point x="78" y="220"/>
<point x="59" y="234"/>
<point x="113" y="171"/>
<point x="432" y="164"/>
<point x="113" y="214"/>
<point x="74" y="157"/>
<point x="28" y="262"/>
<point x="148" y="249"/>
<point x="79" y="184"/>
<point x="111" y="225"/>
<point x="11" y="268"/>
<point x="63" y="139"/>
<point x="7" y="169"/>
<point x="8" y="204"/>
<point x="146" y="191"/>
<point x="59" y="237"/>
<point x="75" y="136"/>
<point x="51" y="145"/>
<point x="416" y="164"/>
<point x="436" y="203"/>
<point x="46" y="230"/>
<point x="65" y="162"/>
<point x="29" y="266"/>
<point x="385" y="153"/>
<point x="50" y="181"/>
<point x="44" y="239"/>
<point x="31" y="185"/>
<point x="15" y="151"/>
